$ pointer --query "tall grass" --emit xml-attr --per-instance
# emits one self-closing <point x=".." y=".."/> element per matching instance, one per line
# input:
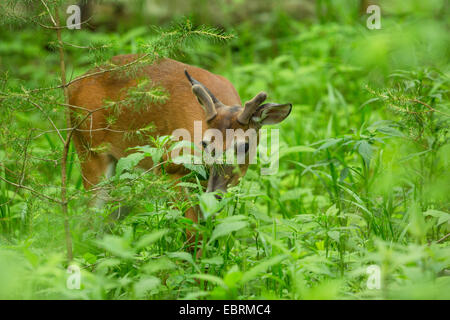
<point x="363" y="181"/>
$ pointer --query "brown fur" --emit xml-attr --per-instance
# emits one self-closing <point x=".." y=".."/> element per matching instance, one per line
<point x="180" y="111"/>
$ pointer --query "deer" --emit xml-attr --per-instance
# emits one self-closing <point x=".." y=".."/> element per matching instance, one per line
<point x="195" y="94"/>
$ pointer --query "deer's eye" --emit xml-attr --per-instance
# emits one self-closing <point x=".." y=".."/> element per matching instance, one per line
<point x="204" y="144"/>
<point x="246" y="147"/>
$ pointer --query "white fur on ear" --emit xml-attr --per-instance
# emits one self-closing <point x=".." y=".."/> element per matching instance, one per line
<point x="257" y="119"/>
<point x="272" y="113"/>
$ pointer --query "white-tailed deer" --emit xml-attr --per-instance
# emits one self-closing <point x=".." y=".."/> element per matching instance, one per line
<point x="194" y="95"/>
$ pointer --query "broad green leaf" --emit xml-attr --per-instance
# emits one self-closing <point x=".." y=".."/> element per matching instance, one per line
<point x="365" y="150"/>
<point x="159" y="264"/>
<point x="209" y="204"/>
<point x="151" y="238"/>
<point x="144" y="285"/>
<point x="197" y="168"/>
<point x="227" y="228"/>
<point x="117" y="246"/>
<point x="335" y="235"/>
<point x="332" y="210"/>
<point x="108" y="263"/>
<point x="262" y="267"/>
<point x="187" y="185"/>
<point x="441" y="215"/>
<point x="129" y="162"/>
<point x="183" y="256"/>
<point x="182" y="144"/>
<point x="217" y="260"/>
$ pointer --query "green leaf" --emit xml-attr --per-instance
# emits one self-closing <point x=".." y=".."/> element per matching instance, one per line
<point x="365" y="150"/>
<point x="117" y="246"/>
<point x="104" y="264"/>
<point x="190" y="162"/>
<point x="187" y="185"/>
<point x="295" y="194"/>
<point x="144" y="285"/>
<point x="262" y="267"/>
<point x="195" y="295"/>
<point x="156" y="265"/>
<point x="151" y="238"/>
<point x="441" y="215"/>
<point x="155" y="153"/>
<point x="217" y="260"/>
<point x="296" y="149"/>
<point x="417" y="226"/>
<point x="183" y="256"/>
<point x="233" y="277"/>
<point x="329" y="143"/>
<point x="13" y="195"/>
<point x="209" y="204"/>
<point x="197" y="168"/>
<point x="332" y="210"/>
<point x="184" y="144"/>
<point x="335" y="235"/>
<point x="90" y="258"/>
<point x="210" y="278"/>
<point x="128" y="163"/>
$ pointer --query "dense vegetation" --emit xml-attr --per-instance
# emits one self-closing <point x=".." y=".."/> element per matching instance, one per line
<point x="364" y="157"/>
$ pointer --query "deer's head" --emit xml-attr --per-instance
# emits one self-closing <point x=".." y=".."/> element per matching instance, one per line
<point x="233" y="131"/>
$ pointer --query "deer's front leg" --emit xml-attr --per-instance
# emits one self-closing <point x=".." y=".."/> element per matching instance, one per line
<point x="193" y="238"/>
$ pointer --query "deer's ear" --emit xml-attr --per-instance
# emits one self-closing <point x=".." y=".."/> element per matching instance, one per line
<point x="271" y="113"/>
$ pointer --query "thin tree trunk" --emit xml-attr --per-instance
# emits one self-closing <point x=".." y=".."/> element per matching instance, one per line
<point x="64" y="203"/>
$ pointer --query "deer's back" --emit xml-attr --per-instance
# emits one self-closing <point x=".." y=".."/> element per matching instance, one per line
<point x="115" y="130"/>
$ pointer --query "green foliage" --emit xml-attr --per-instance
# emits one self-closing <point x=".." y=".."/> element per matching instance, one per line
<point x="364" y="158"/>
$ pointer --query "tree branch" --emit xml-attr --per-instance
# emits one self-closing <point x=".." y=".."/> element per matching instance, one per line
<point x="31" y="190"/>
